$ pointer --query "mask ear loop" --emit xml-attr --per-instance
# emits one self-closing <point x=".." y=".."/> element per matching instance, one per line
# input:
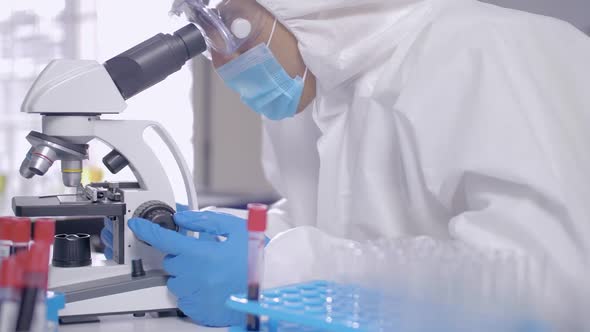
<point x="272" y="32"/>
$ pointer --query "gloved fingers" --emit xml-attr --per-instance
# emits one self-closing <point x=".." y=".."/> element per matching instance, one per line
<point x="187" y="305"/>
<point x="178" y="287"/>
<point x="181" y="207"/>
<point x="202" y="236"/>
<point x="167" y="241"/>
<point x="174" y="265"/>
<point x="210" y="222"/>
<point x="209" y="309"/>
<point x="106" y="236"/>
<point x="108" y="224"/>
<point x="108" y="253"/>
<point x="162" y="239"/>
<point x="208" y="237"/>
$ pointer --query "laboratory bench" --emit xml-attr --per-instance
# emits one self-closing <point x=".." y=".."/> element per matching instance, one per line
<point x="139" y="324"/>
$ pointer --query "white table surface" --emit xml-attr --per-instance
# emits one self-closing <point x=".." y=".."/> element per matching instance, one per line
<point x="143" y="324"/>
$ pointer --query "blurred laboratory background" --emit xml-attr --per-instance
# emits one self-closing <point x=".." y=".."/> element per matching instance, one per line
<point x="220" y="138"/>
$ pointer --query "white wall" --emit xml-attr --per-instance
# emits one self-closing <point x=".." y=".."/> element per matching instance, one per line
<point x="573" y="11"/>
<point x="228" y="137"/>
<point x="32" y="33"/>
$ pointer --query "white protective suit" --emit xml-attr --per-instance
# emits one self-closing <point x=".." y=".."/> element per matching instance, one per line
<point x="445" y="118"/>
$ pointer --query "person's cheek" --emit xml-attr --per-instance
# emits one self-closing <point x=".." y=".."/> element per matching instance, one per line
<point x="220" y="59"/>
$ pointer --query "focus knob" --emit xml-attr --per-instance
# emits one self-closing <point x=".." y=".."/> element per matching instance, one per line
<point x="157" y="212"/>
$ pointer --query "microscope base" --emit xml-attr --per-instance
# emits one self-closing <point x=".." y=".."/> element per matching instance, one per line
<point x="156" y="299"/>
<point x="88" y="319"/>
<point x="116" y="296"/>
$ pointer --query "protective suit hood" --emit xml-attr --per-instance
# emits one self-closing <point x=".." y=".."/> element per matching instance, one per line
<point x="339" y="39"/>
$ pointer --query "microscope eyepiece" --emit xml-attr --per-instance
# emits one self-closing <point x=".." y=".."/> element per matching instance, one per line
<point x="154" y="60"/>
<point x="193" y="40"/>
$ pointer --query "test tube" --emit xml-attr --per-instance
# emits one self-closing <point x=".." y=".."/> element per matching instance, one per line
<point x="5" y="242"/>
<point x="45" y="233"/>
<point x="44" y="230"/>
<point x="32" y="311"/>
<point x="10" y="284"/>
<point x="20" y="234"/>
<point x="257" y="217"/>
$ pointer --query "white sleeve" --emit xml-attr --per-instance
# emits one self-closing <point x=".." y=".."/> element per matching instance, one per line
<point x="503" y="139"/>
<point x="304" y="254"/>
<point x="291" y="164"/>
<point x="278" y="217"/>
<point x="502" y="136"/>
<point x="279" y="220"/>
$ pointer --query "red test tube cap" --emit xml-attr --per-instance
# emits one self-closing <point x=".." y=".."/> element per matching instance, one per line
<point x="20" y="230"/>
<point x="5" y="227"/>
<point x="45" y="230"/>
<point x="257" y="217"/>
<point x="11" y="274"/>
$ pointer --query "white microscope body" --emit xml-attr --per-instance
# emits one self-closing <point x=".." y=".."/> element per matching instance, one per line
<point x="71" y="96"/>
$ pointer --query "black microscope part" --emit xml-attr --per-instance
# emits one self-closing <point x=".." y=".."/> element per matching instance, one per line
<point x="51" y="206"/>
<point x="159" y="213"/>
<point x="71" y="250"/>
<point x="115" y="162"/>
<point x="154" y="60"/>
<point x="137" y="268"/>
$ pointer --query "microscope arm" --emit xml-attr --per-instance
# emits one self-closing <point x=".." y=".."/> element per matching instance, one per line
<point x="184" y="169"/>
<point x="127" y="138"/>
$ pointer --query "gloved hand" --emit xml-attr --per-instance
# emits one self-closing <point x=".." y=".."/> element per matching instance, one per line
<point x="106" y="234"/>
<point x="204" y="272"/>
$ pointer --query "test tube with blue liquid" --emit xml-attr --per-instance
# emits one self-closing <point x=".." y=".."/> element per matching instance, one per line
<point x="257" y="219"/>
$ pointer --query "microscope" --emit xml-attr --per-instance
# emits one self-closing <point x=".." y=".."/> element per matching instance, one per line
<point x="71" y="96"/>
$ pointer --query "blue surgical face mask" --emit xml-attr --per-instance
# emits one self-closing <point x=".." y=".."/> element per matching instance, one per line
<point x="263" y="83"/>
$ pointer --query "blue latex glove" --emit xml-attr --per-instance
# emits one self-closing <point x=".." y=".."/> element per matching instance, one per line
<point x="204" y="272"/>
<point x="106" y="234"/>
<point x="181" y="207"/>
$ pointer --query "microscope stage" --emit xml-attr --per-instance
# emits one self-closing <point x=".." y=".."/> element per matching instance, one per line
<point x="65" y="206"/>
